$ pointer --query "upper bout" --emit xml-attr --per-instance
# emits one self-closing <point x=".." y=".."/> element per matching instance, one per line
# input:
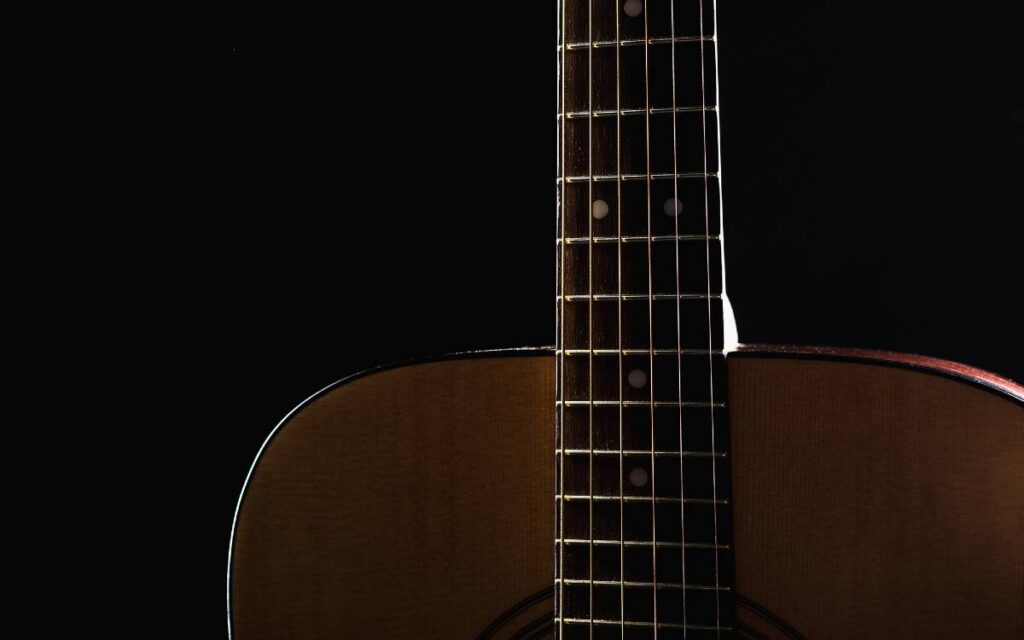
<point x="877" y="494"/>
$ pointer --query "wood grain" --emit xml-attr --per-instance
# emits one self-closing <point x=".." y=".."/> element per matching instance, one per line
<point x="875" y="501"/>
<point x="413" y="503"/>
<point x="871" y="500"/>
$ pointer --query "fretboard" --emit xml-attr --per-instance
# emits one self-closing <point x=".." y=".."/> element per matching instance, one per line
<point x="643" y="535"/>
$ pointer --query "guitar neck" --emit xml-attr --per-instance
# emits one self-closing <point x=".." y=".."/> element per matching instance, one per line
<point x="643" y="533"/>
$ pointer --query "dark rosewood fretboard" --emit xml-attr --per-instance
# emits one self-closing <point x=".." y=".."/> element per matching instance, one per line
<point x="643" y="539"/>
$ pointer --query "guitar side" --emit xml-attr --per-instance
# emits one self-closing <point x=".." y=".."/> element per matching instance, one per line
<point x="874" y="496"/>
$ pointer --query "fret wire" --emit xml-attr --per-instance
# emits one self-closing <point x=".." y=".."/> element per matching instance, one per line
<point x="662" y="499"/>
<point x="637" y="239"/>
<point x="635" y="403"/>
<point x="654" y="625"/>
<point x="633" y="42"/>
<point x="639" y="296"/>
<point x="646" y="543"/>
<point x="659" y="585"/>
<point x="692" y="175"/>
<point x="610" y="113"/>
<point x="638" y="452"/>
<point x="639" y="352"/>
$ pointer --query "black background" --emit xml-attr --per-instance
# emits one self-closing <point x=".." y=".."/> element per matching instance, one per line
<point x="390" y="170"/>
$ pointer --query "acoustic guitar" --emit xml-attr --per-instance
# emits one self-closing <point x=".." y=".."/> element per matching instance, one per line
<point x="649" y="477"/>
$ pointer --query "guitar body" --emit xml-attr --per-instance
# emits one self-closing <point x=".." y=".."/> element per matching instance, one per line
<point x="873" y="495"/>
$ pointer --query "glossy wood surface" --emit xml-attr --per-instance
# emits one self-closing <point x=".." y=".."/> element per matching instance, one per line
<point x="871" y="500"/>
<point x="413" y="503"/>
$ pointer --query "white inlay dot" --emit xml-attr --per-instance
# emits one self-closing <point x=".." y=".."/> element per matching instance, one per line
<point x="637" y="378"/>
<point x="638" y="477"/>
<point x="673" y="207"/>
<point x="633" y="8"/>
<point x="600" y="209"/>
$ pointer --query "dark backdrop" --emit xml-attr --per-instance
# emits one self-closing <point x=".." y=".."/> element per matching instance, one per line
<point x="390" y="192"/>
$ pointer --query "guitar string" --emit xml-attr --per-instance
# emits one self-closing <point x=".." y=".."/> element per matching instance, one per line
<point x="707" y="271"/>
<point x="650" y="315"/>
<point x="677" y="206"/>
<point x="590" y="302"/>
<point x="560" y="212"/>
<point x="618" y="220"/>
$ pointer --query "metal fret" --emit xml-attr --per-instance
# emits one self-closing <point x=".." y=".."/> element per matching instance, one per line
<point x="635" y="403"/>
<point x="639" y="296"/>
<point x="643" y="452"/>
<point x="645" y="543"/>
<point x="633" y="42"/>
<point x="631" y="239"/>
<point x="640" y="176"/>
<point x="649" y="625"/>
<point x="659" y="585"/>
<point x="618" y="124"/>
<point x="640" y="352"/>
<point x="611" y="113"/>
<point x="632" y="498"/>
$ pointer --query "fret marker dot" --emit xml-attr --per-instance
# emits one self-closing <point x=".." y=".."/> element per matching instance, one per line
<point x="633" y="8"/>
<point x="638" y="477"/>
<point x="673" y="207"/>
<point x="600" y="209"/>
<point x="637" y="378"/>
